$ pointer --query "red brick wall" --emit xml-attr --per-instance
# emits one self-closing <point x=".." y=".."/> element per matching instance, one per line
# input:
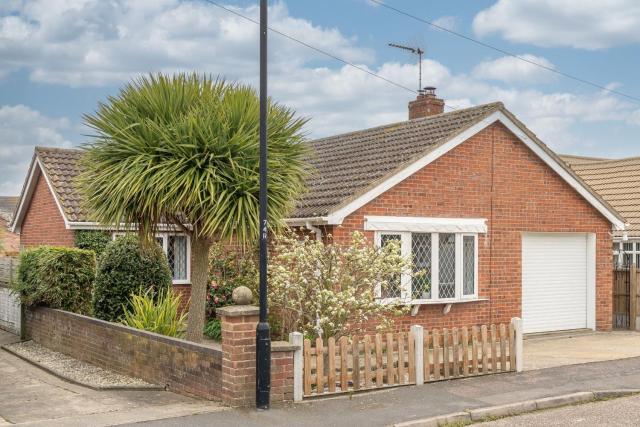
<point x="183" y="367"/>
<point x="185" y="293"/>
<point x="43" y="224"/>
<point x="494" y="175"/>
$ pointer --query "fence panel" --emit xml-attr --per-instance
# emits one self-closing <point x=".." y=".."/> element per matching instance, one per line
<point x="621" y="298"/>
<point x="9" y="303"/>
<point x="376" y="361"/>
<point x="362" y="363"/>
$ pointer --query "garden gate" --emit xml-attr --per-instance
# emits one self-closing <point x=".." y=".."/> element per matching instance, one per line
<point x="9" y="303"/>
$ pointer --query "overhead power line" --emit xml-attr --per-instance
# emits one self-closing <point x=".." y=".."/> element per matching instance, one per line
<point x="317" y="49"/>
<point x="505" y="52"/>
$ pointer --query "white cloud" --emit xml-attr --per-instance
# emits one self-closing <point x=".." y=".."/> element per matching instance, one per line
<point x="512" y="70"/>
<point x="447" y="22"/>
<point x="22" y="128"/>
<point x="588" y="24"/>
<point x="94" y="42"/>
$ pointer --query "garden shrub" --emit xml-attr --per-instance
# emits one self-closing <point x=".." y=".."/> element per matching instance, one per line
<point x="228" y="269"/>
<point x="93" y="240"/>
<point x="125" y="268"/>
<point x="157" y="313"/>
<point x="56" y="277"/>
<point x="328" y="290"/>
<point x="213" y="329"/>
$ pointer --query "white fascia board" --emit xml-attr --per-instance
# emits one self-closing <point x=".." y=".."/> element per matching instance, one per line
<point x="99" y="226"/>
<point x="425" y="224"/>
<point x="27" y="192"/>
<point x="338" y="216"/>
<point x="301" y="222"/>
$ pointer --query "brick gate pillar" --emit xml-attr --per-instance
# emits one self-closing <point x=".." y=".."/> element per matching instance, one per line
<point x="238" y="324"/>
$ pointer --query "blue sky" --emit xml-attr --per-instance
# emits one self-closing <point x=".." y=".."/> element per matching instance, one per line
<point x="59" y="58"/>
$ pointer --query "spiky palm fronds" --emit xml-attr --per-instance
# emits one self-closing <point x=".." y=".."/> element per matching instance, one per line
<point x="185" y="148"/>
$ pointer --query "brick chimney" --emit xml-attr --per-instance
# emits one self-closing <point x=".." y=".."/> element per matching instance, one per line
<point x="426" y="104"/>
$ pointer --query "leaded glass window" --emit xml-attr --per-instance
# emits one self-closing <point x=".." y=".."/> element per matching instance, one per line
<point x="392" y="289"/>
<point x="444" y="266"/>
<point x="468" y="264"/>
<point x="447" y="265"/>
<point x="421" y="251"/>
<point x="177" y="256"/>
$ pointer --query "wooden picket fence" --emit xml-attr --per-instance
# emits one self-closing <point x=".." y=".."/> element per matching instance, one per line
<point x="384" y="360"/>
<point x="468" y="352"/>
<point x="355" y="364"/>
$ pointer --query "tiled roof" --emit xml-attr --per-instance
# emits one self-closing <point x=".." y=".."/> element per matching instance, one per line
<point x="345" y="166"/>
<point x="616" y="180"/>
<point x="62" y="167"/>
<point x="8" y="206"/>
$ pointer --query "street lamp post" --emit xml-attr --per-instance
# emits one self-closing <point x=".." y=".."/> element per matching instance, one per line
<point x="263" y="338"/>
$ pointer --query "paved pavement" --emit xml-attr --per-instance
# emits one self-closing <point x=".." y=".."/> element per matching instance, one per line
<point x="30" y="395"/>
<point x="409" y="403"/>
<point x="617" y="412"/>
<point x="570" y="348"/>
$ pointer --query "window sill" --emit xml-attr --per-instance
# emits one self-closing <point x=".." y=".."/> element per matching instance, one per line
<point x="442" y="302"/>
<point x="181" y="282"/>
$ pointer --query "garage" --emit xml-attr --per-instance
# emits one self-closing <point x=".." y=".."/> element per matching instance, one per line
<point x="558" y="281"/>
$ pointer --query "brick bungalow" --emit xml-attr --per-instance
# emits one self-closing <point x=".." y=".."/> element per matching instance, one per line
<point x="50" y="212"/>
<point x="502" y="226"/>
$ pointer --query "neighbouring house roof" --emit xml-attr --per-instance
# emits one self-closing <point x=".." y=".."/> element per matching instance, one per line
<point x="61" y="167"/>
<point x="348" y="169"/>
<point x="7" y="207"/>
<point x="616" y="180"/>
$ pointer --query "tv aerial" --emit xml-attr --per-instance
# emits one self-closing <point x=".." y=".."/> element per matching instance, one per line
<point x="416" y="51"/>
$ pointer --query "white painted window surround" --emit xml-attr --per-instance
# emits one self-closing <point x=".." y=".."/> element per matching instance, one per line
<point x="177" y="248"/>
<point x="445" y="249"/>
<point x="626" y="252"/>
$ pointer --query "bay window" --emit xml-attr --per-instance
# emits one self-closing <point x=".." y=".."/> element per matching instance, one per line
<point x="444" y="254"/>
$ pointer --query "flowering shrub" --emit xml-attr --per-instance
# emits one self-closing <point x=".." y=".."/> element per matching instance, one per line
<point x="329" y="290"/>
<point x="227" y="271"/>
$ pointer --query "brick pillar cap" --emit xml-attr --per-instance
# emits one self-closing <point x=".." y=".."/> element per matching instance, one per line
<point x="238" y="310"/>
<point x="277" y="346"/>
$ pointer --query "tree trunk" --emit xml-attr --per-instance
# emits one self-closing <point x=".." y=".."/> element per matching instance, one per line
<point x="199" y="283"/>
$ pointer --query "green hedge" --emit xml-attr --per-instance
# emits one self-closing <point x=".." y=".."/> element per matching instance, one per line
<point x="93" y="240"/>
<point x="57" y="277"/>
<point x="126" y="268"/>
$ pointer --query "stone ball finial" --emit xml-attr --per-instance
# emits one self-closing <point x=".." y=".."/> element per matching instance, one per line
<point x="242" y="295"/>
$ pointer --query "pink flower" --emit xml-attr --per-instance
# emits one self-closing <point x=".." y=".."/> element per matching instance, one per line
<point x="216" y="300"/>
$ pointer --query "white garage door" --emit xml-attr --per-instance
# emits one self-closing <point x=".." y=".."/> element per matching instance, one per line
<point x="555" y="278"/>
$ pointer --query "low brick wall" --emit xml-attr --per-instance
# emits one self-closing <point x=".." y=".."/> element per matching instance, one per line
<point x="184" y="367"/>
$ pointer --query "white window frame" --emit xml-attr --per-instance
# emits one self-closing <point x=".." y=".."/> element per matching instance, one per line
<point x="165" y="248"/>
<point x="619" y="252"/>
<point x="405" y="282"/>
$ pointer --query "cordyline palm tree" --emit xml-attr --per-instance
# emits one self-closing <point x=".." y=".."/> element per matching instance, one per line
<point x="183" y="150"/>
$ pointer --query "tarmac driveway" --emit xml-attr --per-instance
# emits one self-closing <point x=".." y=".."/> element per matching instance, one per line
<point x="546" y="351"/>
<point x="30" y="395"/>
